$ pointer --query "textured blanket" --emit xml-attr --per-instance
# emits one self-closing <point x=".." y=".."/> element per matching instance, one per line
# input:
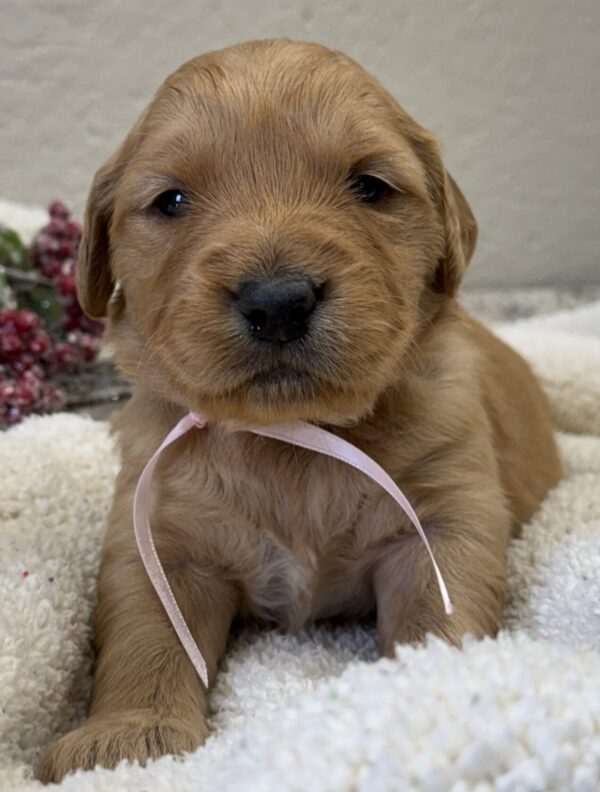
<point x="319" y="711"/>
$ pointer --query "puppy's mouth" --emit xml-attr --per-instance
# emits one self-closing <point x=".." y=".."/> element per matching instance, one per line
<point x="279" y="376"/>
<point x="281" y="384"/>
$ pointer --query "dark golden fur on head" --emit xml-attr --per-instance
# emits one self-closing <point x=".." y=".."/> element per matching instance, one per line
<point x="264" y="140"/>
<point x="267" y="141"/>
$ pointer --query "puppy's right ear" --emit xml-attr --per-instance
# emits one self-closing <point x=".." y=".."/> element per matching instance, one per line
<point x="95" y="281"/>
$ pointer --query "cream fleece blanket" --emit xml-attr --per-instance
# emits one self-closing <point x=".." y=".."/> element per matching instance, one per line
<point x="319" y="711"/>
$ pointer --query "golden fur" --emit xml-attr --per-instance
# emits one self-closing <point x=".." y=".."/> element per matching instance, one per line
<point x="264" y="137"/>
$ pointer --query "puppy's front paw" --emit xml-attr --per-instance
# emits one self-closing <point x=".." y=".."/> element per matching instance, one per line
<point x="106" y="741"/>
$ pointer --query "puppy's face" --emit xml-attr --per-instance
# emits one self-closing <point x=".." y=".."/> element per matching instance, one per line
<point x="279" y="229"/>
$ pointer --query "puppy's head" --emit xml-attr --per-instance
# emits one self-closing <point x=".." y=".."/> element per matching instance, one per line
<point x="279" y="229"/>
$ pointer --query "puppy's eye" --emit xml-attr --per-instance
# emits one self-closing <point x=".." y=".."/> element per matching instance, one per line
<point x="369" y="188"/>
<point x="170" y="203"/>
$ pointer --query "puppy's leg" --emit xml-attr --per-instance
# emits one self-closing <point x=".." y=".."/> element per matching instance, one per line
<point x="472" y="559"/>
<point x="147" y="699"/>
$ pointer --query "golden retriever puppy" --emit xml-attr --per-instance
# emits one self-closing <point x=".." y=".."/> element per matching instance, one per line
<point x="277" y="240"/>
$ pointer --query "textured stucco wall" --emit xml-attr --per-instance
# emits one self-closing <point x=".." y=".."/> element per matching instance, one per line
<point x="512" y="88"/>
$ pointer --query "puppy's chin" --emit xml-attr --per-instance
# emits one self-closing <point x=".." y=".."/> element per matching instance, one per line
<point x="281" y="396"/>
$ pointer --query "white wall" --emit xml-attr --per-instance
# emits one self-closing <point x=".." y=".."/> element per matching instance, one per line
<point x="513" y="89"/>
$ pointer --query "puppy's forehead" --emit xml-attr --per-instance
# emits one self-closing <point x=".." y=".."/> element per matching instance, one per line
<point x="267" y="99"/>
<point x="305" y="83"/>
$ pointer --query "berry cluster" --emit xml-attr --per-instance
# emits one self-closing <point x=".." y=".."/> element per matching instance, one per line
<point x="54" y="253"/>
<point x="28" y="355"/>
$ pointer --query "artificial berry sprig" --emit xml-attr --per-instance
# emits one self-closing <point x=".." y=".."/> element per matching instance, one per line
<point x="54" y="252"/>
<point x="28" y="356"/>
<point x="32" y="350"/>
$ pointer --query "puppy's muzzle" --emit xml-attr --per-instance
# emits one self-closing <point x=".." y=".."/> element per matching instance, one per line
<point x="278" y="309"/>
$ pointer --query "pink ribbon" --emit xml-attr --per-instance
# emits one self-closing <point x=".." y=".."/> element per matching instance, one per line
<point x="300" y="434"/>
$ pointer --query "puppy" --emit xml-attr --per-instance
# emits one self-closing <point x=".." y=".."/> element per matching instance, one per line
<point x="277" y="240"/>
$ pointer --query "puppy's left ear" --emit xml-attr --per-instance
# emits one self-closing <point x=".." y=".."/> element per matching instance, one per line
<point x="459" y="226"/>
<point x="460" y="229"/>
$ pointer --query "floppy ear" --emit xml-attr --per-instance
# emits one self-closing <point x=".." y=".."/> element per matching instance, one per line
<point x="94" y="277"/>
<point x="95" y="281"/>
<point x="460" y="230"/>
<point x="460" y="227"/>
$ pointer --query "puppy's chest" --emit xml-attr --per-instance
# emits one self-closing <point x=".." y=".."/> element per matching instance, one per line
<point x="303" y="517"/>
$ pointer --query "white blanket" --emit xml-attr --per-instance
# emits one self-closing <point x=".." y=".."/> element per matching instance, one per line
<point x="319" y="711"/>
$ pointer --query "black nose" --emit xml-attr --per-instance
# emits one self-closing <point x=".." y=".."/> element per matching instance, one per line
<point x="278" y="309"/>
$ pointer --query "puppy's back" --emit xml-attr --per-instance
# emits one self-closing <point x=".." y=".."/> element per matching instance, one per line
<point x="522" y="423"/>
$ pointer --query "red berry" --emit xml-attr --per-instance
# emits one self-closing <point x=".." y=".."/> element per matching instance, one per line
<point x="7" y="390"/>
<point x="67" y="357"/>
<point x="24" y="395"/>
<point x="25" y="321"/>
<point x="40" y="343"/>
<point x="33" y="375"/>
<point x="24" y="364"/>
<point x="58" y="210"/>
<point x="66" y="284"/>
<point x="56" y="228"/>
<point x="33" y="378"/>
<point x="73" y="230"/>
<point x="64" y="250"/>
<point x="10" y="346"/>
